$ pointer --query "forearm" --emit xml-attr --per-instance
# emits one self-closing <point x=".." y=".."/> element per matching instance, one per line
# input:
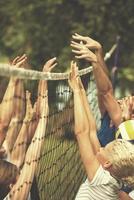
<point x="103" y="83"/>
<point x="7" y="103"/>
<point x="82" y="129"/>
<point x="80" y="116"/>
<point x="93" y="136"/>
<point x="21" y="143"/>
<point x="38" y="137"/>
<point x="42" y="87"/>
<point x="32" y="156"/>
<point x="19" y="100"/>
<point x="88" y="110"/>
<point x="20" y="146"/>
<point x="107" y="100"/>
<point x="32" y="128"/>
<point x="2" y="136"/>
<point x="100" y="58"/>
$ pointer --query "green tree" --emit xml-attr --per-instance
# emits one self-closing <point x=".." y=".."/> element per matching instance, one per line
<point x="43" y="29"/>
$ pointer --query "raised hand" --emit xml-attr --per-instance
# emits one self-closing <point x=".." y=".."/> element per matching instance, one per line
<point x="89" y="42"/>
<point x="127" y="107"/>
<point x="49" y="65"/>
<point x="42" y="87"/>
<point x="74" y="76"/>
<point x="82" y="52"/>
<point x="14" y="88"/>
<point x="19" y="61"/>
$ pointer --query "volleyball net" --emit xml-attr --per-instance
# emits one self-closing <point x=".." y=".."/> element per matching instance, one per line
<point x="59" y="171"/>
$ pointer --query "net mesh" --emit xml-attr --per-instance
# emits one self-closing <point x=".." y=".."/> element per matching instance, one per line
<point x="59" y="171"/>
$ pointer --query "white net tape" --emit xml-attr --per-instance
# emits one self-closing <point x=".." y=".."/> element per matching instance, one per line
<point x="7" y="71"/>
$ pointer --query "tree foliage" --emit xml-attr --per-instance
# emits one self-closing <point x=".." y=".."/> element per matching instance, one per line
<point x="43" y="29"/>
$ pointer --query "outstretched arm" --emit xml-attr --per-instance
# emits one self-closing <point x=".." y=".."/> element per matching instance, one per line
<point x="104" y="86"/>
<point x="93" y="45"/>
<point x="8" y="105"/>
<point x="21" y="189"/>
<point x="7" y="102"/>
<point x="29" y="126"/>
<point x="21" y="143"/>
<point x="93" y="137"/>
<point x="48" y="66"/>
<point x="83" y="126"/>
<point x="18" y="110"/>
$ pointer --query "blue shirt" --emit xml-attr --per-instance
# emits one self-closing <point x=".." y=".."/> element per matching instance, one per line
<point x="106" y="133"/>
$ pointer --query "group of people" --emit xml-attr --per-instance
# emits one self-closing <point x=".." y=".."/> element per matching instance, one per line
<point x="22" y="132"/>
<point x="107" y="154"/>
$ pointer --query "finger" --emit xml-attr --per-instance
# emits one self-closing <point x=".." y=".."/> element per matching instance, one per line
<point x="15" y="60"/>
<point x="86" y="51"/>
<point x="84" y="38"/>
<point x="77" y="47"/>
<point x="81" y="57"/>
<point x="50" y="62"/>
<point x="77" y="52"/>
<point x="21" y="57"/>
<point x="71" y="66"/>
<point x="76" y="70"/>
<point x="19" y="64"/>
<point x="76" y="43"/>
<point x="76" y="36"/>
<point x="53" y="65"/>
<point x="50" y="69"/>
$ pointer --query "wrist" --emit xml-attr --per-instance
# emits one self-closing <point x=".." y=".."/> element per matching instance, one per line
<point x="95" y="65"/>
<point x="99" y="51"/>
<point x="76" y="90"/>
<point x="99" y="47"/>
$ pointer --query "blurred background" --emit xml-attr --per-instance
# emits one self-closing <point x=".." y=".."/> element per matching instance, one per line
<point x="43" y="28"/>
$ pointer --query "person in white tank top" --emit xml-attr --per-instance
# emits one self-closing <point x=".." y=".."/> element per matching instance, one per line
<point x="107" y="168"/>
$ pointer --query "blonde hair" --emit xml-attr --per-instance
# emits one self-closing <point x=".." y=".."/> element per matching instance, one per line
<point x="121" y="155"/>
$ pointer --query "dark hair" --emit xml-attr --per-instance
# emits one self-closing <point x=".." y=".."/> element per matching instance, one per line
<point x="8" y="175"/>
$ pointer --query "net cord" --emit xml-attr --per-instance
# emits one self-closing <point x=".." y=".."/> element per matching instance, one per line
<point x="7" y="71"/>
